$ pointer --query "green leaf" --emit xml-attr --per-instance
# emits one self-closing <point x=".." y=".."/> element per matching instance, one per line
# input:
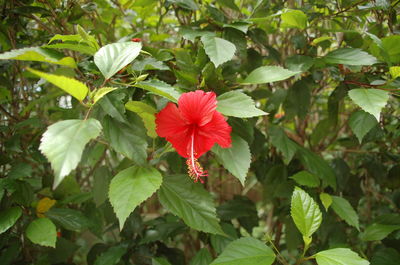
<point x="305" y="212"/>
<point x="280" y="140"/>
<point x="42" y="232"/>
<point x="73" y="87"/>
<point x="339" y="256"/>
<point x="130" y="187"/>
<point x="317" y="166"/>
<point x="218" y="50"/>
<point x="147" y="113"/>
<point x="159" y="261"/>
<point x="191" y="202"/>
<point x="129" y="140"/>
<point x="394" y="71"/>
<point x="111" y="256"/>
<point x="8" y="218"/>
<point x="349" y="56"/>
<point x="304" y="178"/>
<point x="38" y="54"/>
<point x="326" y="200"/>
<point x="82" y="48"/>
<point x="294" y="19"/>
<point x="63" y="144"/>
<point x="238" y="104"/>
<point x="102" y="92"/>
<point x="361" y="123"/>
<point x="378" y="231"/>
<point x="299" y="63"/>
<point x="113" y="57"/>
<point x="245" y="251"/>
<point x="202" y="257"/>
<point x="160" y="88"/>
<point x="385" y="256"/>
<point x="370" y="100"/>
<point x="101" y="180"/>
<point x="235" y="159"/>
<point x="268" y="74"/>
<point x="69" y="219"/>
<point x="345" y="211"/>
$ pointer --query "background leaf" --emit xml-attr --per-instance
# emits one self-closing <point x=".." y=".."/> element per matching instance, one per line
<point x="349" y="56"/>
<point x="344" y="209"/>
<point x="361" y="123"/>
<point x="339" y="256"/>
<point x="8" y="218"/>
<point x="218" y="50"/>
<point x="237" y="104"/>
<point x="268" y="74"/>
<point x="42" y="231"/>
<point x="370" y="100"/>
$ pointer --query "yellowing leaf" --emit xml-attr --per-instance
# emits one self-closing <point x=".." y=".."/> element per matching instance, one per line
<point x="394" y="71"/>
<point x="43" y="206"/>
<point x="146" y="112"/>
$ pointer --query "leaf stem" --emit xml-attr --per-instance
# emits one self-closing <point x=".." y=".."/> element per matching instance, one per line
<point x="279" y="255"/>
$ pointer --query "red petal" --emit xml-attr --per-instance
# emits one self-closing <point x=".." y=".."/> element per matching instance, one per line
<point x="217" y="130"/>
<point x="202" y="144"/>
<point x="181" y="143"/>
<point x="197" y="107"/>
<point x="169" y="122"/>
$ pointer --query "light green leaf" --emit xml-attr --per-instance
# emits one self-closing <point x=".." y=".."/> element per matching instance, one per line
<point x="73" y="87"/>
<point x="294" y="19"/>
<point x="113" y="57"/>
<point x="202" y="257"/>
<point x="42" y="232"/>
<point x="82" y="48"/>
<point x="160" y="88"/>
<point x="361" y="123"/>
<point x="191" y="202"/>
<point x="38" y="54"/>
<point x="63" y="144"/>
<point x="245" y="251"/>
<point x="305" y="212"/>
<point x="147" y="113"/>
<point x="317" y="166"/>
<point x="128" y="140"/>
<point x="349" y="56"/>
<point x="268" y="74"/>
<point x="326" y="200"/>
<point x="238" y="104"/>
<point x="339" y="256"/>
<point x="304" y="178"/>
<point x="235" y="159"/>
<point x="239" y="25"/>
<point x="8" y="218"/>
<point x="394" y="71"/>
<point x="218" y="50"/>
<point x="378" y="232"/>
<point x="111" y="256"/>
<point x="130" y="187"/>
<point x="102" y="92"/>
<point x="280" y="140"/>
<point x="345" y="211"/>
<point x="370" y="100"/>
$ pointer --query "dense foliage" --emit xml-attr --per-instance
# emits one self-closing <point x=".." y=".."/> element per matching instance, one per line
<point x="310" y="89"/>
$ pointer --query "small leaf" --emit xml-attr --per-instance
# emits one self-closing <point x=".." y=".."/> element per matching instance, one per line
<point x="394" y="71"/>
<point x="130" y="187"/>
<point x="63" y="144"/>
<point x="294" y="19"/>
<point x="245" y="251"/>
<point x="339" y="256"/>
<point x="9" y="217"/>
<point x="42" y="232"/>
<point x="378" y="231"/>
<point x="38" y="54"/>
<point x="160" y="88"/>
<point x="361" y="123"/>
<point x="44" y="205"/>
<point x="305" y="212"/>
<point x="111" y="256"/>
<point x="146" y="112"/>
<point x="345" y="211"/>
<point x="304" y="178"/>
<point x="370" y="100"/>
<point x="280" y="140"/>
<point x="218" y="50"/>
<point x="73" y="87"/>
<point x="191" y="202"/>
<point x="268" y="74"/>
<point x="113" y="57"/>
<point x="69" y="219"/>
<point x="349" y="56"/>
<point x="326" y="200"/>
<point x="237" y="104"/>
<point x="102" y="92"/>
<point x="235" y="159"/>
<point x="160" y="261"/>
<point x="202" y="257"/>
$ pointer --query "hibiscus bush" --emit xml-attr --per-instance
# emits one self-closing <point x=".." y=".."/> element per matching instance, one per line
<point x="223" y="132"/>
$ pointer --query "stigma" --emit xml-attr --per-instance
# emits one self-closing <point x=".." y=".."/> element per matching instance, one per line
<point x="195" y="170"/>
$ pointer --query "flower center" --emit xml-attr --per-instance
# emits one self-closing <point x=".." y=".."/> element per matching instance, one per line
<point x="195" y="170"/>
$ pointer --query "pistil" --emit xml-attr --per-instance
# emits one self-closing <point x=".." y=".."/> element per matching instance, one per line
<point x="195" y="170"/>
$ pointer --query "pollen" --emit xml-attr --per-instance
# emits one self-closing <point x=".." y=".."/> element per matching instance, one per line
<point x="195" y="170"/>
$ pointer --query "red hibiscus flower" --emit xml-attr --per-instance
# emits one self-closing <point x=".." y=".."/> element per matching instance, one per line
<point x="193" y="128"/>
